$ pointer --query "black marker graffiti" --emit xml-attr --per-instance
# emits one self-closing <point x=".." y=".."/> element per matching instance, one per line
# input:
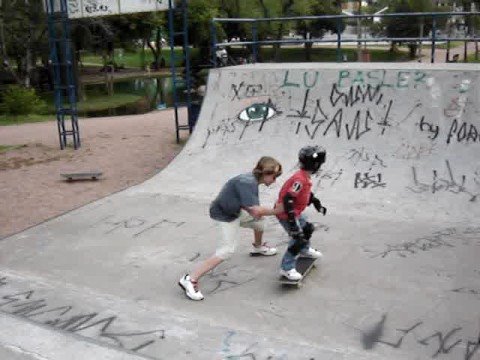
<point x="449" y="184"/>
<point x="437" y="240"/>
<point x="443" y="348"/>
<point x="93" y="7"/>
<point x="161" y="224"/>
<point x="367" y="180"/>
<point x="223" y="283"/>
<point x="356" y="94"/>
<point x="242" y="91"/>
<point x="226" y="126"/>
<point x="430" y="128"/>
<point x="136" y="223"/>
<point x="443" y="342"/>
<point x="361" y="155"/>
<point x="24" y="304"/>
<point x="463" y="133"/>
<point x="467" y="291"/>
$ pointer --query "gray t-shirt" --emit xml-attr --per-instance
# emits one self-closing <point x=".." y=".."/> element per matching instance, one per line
<point x="239" y="192"/>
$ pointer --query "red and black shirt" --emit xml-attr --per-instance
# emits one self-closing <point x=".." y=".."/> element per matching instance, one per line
<point x="299" y="186"/>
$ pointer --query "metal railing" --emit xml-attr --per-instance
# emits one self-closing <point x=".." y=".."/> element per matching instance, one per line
<point x="255" y="43"/>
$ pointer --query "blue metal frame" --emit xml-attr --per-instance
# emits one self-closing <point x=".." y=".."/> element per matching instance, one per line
<point x="59" y="40"/>
<point x="183" y="9"/>
<point x="255" y="42"/>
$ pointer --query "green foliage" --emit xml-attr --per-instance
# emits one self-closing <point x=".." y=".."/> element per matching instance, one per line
<point x="326" y="54"/>
<point x="18" y="100"/>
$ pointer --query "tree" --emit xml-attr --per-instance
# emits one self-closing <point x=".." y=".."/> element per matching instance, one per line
<point x="318" y="28"/>
<point x="23" y="31"/>
<point x="149" y="27"/>
<point x="404" y="27"/>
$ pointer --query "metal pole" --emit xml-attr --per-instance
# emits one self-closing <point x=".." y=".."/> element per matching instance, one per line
<point x="434" y="30"/>
<point x="171" y="31"/>
<point x="447" y="55"/>
<point x="255" y="40"/>
<point x="339" y="41"/>
<point x="213" y="30"/>
<point x="359" y="32"/>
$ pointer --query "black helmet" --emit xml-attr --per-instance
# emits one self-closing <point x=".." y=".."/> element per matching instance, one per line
<point x="311" y="158"/>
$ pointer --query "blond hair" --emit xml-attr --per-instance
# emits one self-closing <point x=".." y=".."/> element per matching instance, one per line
<point x="267" y="165"/>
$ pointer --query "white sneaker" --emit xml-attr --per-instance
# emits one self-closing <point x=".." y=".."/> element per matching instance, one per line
<point x="291" y="274"/>
<point x="311" y="253"/>
<point x="263" y="249"/>
<point x="191" y="288"/>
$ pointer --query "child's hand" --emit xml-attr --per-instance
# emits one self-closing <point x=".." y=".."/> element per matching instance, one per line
<point x="256" y="211"/>
<point x="318" y="205"/>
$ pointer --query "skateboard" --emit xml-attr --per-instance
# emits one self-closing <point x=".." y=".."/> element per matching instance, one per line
<point x="304" y="266"/>
<point x="94" y="175"/>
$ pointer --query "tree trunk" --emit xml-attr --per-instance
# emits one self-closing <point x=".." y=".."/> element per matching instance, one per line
<point x="155" y="55"/>
<point x="419" y="53"/>
<point x="142" y="55"/>
<point x="3" y="48"/>
<point x="276" y="47"/>
<point x="308" y="51"/>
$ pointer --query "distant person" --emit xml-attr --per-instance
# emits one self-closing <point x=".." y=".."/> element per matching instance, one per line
<point x="222" y="56"/>
<point x="237" y="205"/>
<point x="295" y="195"/>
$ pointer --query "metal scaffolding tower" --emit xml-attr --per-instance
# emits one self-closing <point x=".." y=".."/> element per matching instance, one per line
<point x="61" y="62"/>
<point x="181" y="10"/>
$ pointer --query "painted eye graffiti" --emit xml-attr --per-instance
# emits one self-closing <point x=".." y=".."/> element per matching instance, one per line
<point x="257" y="112"/>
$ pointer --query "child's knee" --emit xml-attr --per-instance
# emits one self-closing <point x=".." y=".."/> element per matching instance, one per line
<point x="225" y="252"/>
<point x="257" y="225"/>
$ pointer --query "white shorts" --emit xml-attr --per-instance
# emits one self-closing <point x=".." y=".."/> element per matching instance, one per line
<point x="229" y="232"/>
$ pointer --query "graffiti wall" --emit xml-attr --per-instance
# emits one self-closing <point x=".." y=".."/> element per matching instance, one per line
<point x="396" y="137"/>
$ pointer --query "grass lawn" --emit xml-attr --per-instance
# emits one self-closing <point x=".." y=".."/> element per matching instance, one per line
<point x="287" y="54"/>
<point x="6" y="148"/>
<point x="326" y="54"/>
<point x="453" y="44"/>
<point x="93" y="103"/>
<point x="134" y="59"/>
<point x="23" y="119"/>
<point x="471" y="58"/>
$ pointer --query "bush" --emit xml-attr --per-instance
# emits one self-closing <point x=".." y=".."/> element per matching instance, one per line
<point x="18" y="100"/>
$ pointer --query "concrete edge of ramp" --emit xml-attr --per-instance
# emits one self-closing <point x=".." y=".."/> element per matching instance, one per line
<point x="22" y="339"/>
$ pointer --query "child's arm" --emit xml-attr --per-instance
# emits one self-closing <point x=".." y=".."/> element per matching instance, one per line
<point x="317" y="204"/>
<point x="258" y="211"/>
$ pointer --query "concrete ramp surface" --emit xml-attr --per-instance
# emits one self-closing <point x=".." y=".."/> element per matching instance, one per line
<point x="400" y="278"/>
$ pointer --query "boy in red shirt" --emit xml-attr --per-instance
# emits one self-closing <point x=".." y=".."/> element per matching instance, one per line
<point x="295" y="195"/>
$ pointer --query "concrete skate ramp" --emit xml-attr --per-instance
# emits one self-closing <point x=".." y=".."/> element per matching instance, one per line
<point x="401" y="139"/>
<point x="400" y="278"/>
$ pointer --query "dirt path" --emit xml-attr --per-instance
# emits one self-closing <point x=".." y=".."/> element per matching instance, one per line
<point x="127" y="149"/>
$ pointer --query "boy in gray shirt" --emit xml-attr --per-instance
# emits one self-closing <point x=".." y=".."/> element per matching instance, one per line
<point x="237" y="205"/>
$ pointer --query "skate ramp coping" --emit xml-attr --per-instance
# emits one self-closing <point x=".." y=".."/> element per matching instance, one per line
<point x="401" y="139"/>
